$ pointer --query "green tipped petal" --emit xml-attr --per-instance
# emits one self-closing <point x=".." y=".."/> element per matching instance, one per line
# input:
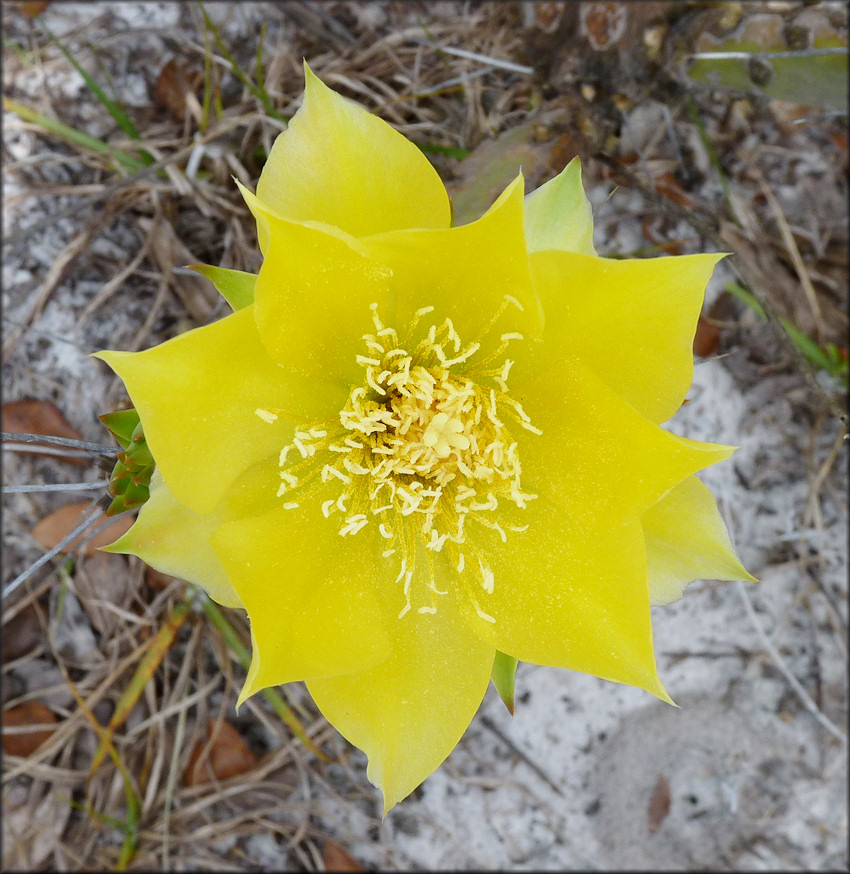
<point x="558" y="214"/>
<point x="504" y="677"/>
<point x="686" y="540"/>
<point x="235" y="286"/>
<point x="174" y="540"/>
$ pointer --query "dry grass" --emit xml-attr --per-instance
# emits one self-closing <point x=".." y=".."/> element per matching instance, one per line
<point x="118" y="240"/>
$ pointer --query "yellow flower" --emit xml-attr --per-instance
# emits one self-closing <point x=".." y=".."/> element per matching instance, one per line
<point x="413" y="445"/>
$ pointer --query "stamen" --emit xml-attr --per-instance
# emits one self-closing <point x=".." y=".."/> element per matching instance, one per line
<point x="420" y="446"/>
<point x="485" y="616"/>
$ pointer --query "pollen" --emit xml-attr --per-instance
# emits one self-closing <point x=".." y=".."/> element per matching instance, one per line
<point x="423" y="452"/>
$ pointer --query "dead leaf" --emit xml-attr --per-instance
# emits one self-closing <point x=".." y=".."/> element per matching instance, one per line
<point x="659" y="803"/>
<point x="157" y="580"/>
<point x="225" y="757"/>
<point x="483" y="175"/>
<point x="21" y="633"/>
<point x="668" y="186"/>
<point x="706" y="338"/>
<point x="31" y="416"/>
<point x="33" y="8"/>
<point x="54" y="527"/>
<point x="173" y="84"/>
<point x="337" y="859"/>
<point x="103" y="579"/>
<point x="27" y="714"/>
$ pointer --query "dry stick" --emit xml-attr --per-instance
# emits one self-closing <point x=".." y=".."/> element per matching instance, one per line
<point x="112" y="286"/>
<point x="25" y="575"/>
<point x="487" y="723"/>
<point x="56" y="487"/>
<point x="170" y="784"/>
<point x="786" y="671"/>
<point x="820" y="477"/>
<point x="796" y="258"/>
<point x="92" y="448"/>
<point x="56" y="276"/>
<point x="44" y="450"/>
<point x="152" y="316"/>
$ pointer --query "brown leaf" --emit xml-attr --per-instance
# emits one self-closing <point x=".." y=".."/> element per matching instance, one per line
<point x="21" y="633"/>
<point x="668" y="186"/>
<point x="26" y="714"/>
<point x="483" y="175"/>
<point x="157" y="580"/>
<point x="101" y="580"/>
<point x="60" y="523"/>
<point x="659" y="803"/>
<point x="33" y="8"/>
<point x="337" y="859"/>
<point x="227" y="756"/>
<point x="174" y="82"/>
<point x="706" y="338"/>
<point x="40" y="417"/>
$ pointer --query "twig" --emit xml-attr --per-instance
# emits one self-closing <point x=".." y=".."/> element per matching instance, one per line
<point x="55" y="487"/>
<point x="794" y="253"/>
<point x="25" y="575"/>
<point x="786" y="671"/>
<point x="475" y="56"/>
<point x="514" y="748"/>
<point x="45" y="450"/>
<point x="93" y="448"/>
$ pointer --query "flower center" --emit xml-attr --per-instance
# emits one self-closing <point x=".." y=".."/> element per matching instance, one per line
<point x="422" y="449"/>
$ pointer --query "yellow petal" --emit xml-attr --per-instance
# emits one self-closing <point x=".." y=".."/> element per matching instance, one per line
<point x="567" y="595"/>
<point x="310" y="595"/>
<point x="631" y="321"/>
<point x="312" y="299"/>
<point x="197" y="397"/>
<point x="686" y="539"/>
<point x="408" y="713"/>
<point x="597" y="459"/>
<point x="463" y="272"/>
<point x="174" y="540"/>
<point x="339" y="164"/>
<point x="558" y="214"/>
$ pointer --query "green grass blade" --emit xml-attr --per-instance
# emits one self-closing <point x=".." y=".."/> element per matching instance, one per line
<point x="829" y="360"/>
<point x="693" y="111"/>
<point x="121" y="118"/>
<point x="807" y="346"/>
<point x="259" y="93"/>
<point x="746" y="297"/>
<point x="72" y="135"/>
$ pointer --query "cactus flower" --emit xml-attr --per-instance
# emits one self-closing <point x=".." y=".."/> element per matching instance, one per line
<point x="412" y="446"/>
